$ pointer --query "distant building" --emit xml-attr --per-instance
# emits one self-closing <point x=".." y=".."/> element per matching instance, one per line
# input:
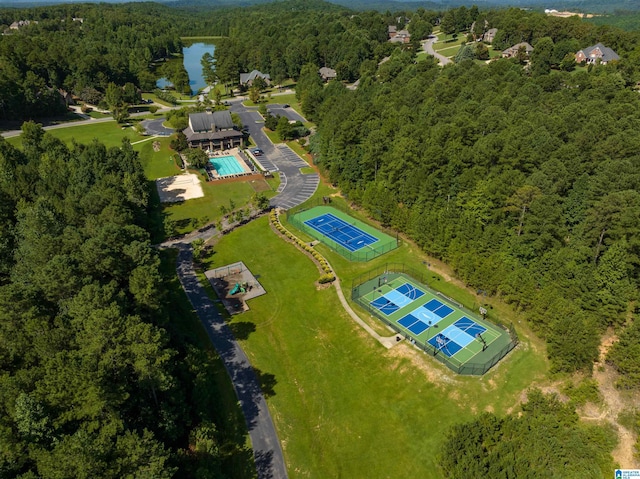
<point x="212" y="131"/>
<point x="248" y="78"/>
<point x="511" y="52"/>
<point x="327" y="74"/>
<point x="21" y="23"/>
<point x="597" y="53"/>
<point x="489" y="35"/>
<point x="400" y="36"/>
<point x="392" y="31"/>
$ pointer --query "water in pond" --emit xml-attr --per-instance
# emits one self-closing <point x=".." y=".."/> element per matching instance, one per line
<point x="192" y="55"/>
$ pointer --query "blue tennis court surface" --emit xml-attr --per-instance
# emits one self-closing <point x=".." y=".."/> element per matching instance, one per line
<point x="469" y="326"/>
<point x="348" y="236"/>
<point x="458" y="335"/>
<point x="410" y="291"/>
<point x="442" y="310"/>
<point x="397" y="298"/>
<point x="384" y="305"/>
<point x="444" y="344"/>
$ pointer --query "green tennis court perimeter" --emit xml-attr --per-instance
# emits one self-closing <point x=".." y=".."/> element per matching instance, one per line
<point x="433" y="322"/>
<point x="353" y="239"/>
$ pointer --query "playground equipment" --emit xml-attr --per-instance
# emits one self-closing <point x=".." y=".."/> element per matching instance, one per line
<point x="238" y="288"/>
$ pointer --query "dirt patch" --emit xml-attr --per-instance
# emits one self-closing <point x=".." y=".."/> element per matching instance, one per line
<point x="237" y="179"/>
<point x="435" y="373"/>
<point x="259" y="184"/>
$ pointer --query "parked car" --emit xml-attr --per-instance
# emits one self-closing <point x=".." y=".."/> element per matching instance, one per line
<point x="286" y="105"/>
<point x="256" y="151"/>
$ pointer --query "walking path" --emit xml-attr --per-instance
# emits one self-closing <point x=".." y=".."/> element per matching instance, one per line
<point x="267" y="452"/>
<point x="427" y="46"/>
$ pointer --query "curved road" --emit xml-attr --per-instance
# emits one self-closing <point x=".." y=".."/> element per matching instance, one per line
<point x="264" y="439"/>
<point x="427" y="46"/>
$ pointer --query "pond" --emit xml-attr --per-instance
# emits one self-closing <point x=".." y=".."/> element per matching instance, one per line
<point x="192" y="55"/>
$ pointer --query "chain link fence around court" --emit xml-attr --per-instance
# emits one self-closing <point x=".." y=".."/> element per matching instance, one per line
<point x="295" y="217"/>
<point x="364" y="284"/>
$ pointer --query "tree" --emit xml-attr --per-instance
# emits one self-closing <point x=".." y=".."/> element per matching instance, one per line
<point x="271" y="122"/>
<point x="520" y="202"/>
<point x="196" y="158"/>
<point x="179" y="143"/>
<point x="131" y="94"/>
<point x="114" y="96"/>
<point x="259" y="84"/>
<point x="208" y="68"/>
<point x="254" y="94"/>
<point x="541" y="56"/>
<point x="482" y="52"/>
<point x="467" y="52"/>
<point x="260" y="201"/>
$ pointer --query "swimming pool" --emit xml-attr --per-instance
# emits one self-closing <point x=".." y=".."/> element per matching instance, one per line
<point x="226" y="165"/>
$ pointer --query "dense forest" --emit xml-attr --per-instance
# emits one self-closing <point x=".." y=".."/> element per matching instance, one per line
<point x="523" y="179"/>
<point x="103" y="45"/>
<point x="98" y="380"/>
<point x="523" y="176"/>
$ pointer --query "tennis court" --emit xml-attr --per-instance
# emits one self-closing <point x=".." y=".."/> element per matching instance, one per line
<point x="348" y="236"/>
<point x="430" y="320"/>
<point x="352" y="238"/>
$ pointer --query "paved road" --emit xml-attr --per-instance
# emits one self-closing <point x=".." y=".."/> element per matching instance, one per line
<point x="295" y="187"/>
<point x="264" y="439"/>
<point x="156" y="127"/>
<point x="427" y="46"/>
<point x="279" y="109"/>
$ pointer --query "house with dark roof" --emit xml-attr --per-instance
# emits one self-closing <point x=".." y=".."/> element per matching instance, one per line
<point x="597" y="53"/>
<point x="213" y="131"/>
<point x="248" y="78"/>
<point x="511" y="52"/>
<point x="327" y="74"/>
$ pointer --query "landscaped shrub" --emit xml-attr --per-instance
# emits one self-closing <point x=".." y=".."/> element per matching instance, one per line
<point x="326" y="278"/>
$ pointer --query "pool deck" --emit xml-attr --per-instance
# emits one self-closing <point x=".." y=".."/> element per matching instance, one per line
<point x="240" y="158"/>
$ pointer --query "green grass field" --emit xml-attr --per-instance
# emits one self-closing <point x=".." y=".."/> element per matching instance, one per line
<point x="343" y="405"/>
<point x="449" y="52"/>
<point x="109" y="133"/>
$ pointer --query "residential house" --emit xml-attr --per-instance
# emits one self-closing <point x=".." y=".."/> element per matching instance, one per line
<point x="512" y="52"/>
<point x="401" y="36"/>
<point x="213" y="131"/>
<point x="248" y="78"/>
<point x="392" y="31"/>
<point x="489" y="35"/>
<point x="597" y="53"/>
<point x="21" y="23"/>
<point x="327" y="74"/>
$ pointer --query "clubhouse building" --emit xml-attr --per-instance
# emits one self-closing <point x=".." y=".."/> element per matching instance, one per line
<point x="213" y="131"/>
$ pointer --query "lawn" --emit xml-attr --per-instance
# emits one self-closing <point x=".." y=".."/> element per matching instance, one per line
<point x="108" y="133"/>
<point x="156" y="164"/>
<point x="192" y="214"/>
<point x="450" y="52"/>
<point x="343" y="405"/>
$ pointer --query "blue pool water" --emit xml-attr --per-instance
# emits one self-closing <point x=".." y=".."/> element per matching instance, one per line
<point x="226" y="165"/>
